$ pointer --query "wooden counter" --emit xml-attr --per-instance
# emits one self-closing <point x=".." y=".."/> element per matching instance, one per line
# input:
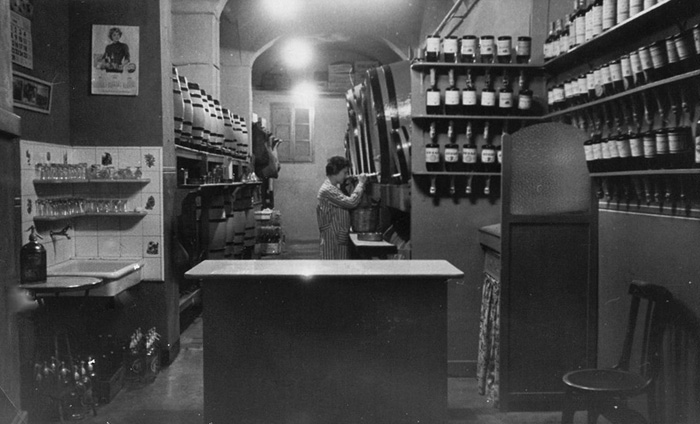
<point x="325" y="341"/>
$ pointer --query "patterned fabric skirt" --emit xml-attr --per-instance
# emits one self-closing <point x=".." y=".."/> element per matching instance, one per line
<point x="331" y="248"/>
<point x="488" y="364"/>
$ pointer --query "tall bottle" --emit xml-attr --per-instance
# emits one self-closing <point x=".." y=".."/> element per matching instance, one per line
<point x="432" y="150"/>
<point x="488" y="96"/>
<point x="589" y="20"/>
<point x="470" y="104"/>
<point x="467" y="49"/>
<point x="449" y="49"/>
<point x="504" y="47"/>
<point x="609" y="14"/>
<point x="597" y="10"/>
<point x="469" y="151"/>
<point x="432" y="95"/>
<point x="580" y="18"/>
<point x="505" y="96"/>
<point x="32" y="260"/>
<point x="524" y="96"/>
<point x="432" y="48"/>
<point x="451" y="149"/>
<point x="548" y="42"/>
<point x="488" y="152"/>
<point x="623" y="10"/>
<point x="487" y="48"/>
<point x="452" y="95"/>
<point x="696" y="146"/>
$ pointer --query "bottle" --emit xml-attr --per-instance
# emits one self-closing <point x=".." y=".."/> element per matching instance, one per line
<point x="503" y="49"/>
<point x="673" y="59"/>
<point x="580" y="17"/>
<point x="589" y="20"/>
<point x="627" y="72"/>
<point x="488" y="96"/>
<point x="684" y="48"/>
<point x="696" y="146"/>
<point x="636" y="150"/>
<point x="449" y="49"/>
<point x="572" y="28"/>
<point x="432" y="150"/>
<point x="649" y="140"/>
<point x="647" y="64"/>
<point x="591" y="85"/>
<point x="623" y="11"/>
<point x="636" y="6"/>
<point x="467" y="48"/>
<point x="548" y="42"/>
<point x="696" y="41"/>
<point x="451" y="149"/>
<point x="32" y="259"/>
<point x="432" y="96"/>
<point x="524" y="96"/>
<point x="618" y="82"/>
<point x="564" y="37"/>
<point x="678" y="144"/>
<point x="609" y="14"/>
<point x="662" y="148"/>
<point x="469" y="151"/>
<point x="649" y="3"/>
<point x="556" y="45"/>
<point x="432" y="48"/>
<point x="606" y="79"/>
<point x="637" y="69"/>
<point x="582" y="88"/>
<point x="659" y="58"/>
<point x="558" y="97"/>
<point x="597" y="10"/>
<point x="505" y="96"/>
<point x="523" y="50"/>
<point x="452" y="95"/>
<point x="470" y="105"/>
<point x="488" y="152"/>
<point x="487" y="48"/>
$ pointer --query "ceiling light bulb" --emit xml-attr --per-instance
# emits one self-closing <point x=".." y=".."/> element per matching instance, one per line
<point x="283" y="9"/>
<point x="297" y="53"/>
<point x="304" y="93"/>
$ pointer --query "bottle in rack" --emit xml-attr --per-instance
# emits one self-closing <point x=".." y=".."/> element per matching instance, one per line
<point x="609" y="14"/>
<point x="588" y="17"/>
<point x="452" y="95"/>
<point x="684" y="48"/>
<point x="622" y="10"/>
<point x="469" y="151"/>
<point x="523" y="50"/>
<point x="432" y="150"/>
<point x="432" y="48"/>
<point x="488" y="95"/>
<point x="499" y="148"/>
<point x="597" y="10"/>
<point x="672" y="55"/>
<point x="524" y="95"/>
<point x="548" y="42"/>
<point x="503" y="49"/>
<point x="432" y="95"/>
<point x="449" y="49"/>
<point x="470" y="104"/>
<point x="618" y="82"/>
<point x="556" y="46"/>
<point x="467" y="49"/>
<point x="451" y="149"/>
<point x="580" y="18"/>
<point x="572" y="27"/>
<point x="696" y="144"/>
<point x="564" y="37"/>
<point x="487" y="48"/>
<point x="505" y="95"/>
<point x="488" y="152"/>
<point x="659" y="59"/>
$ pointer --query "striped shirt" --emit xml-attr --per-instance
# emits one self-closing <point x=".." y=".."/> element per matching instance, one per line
<point x="333" y="214"/>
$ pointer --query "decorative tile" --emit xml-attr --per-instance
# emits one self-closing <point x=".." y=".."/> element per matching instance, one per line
<point x="108" y="247"/>
<point x="86" y="246"/>
<point x="153" y="269"/>
<point x="27" y="184"/>
<point x="152" y="159"/>
<point x="131" y="247"/>
<point x="108" y="156"/>
<point x="65" y="249"/>
<point x="152" y="225"/>
<point x="152" y="247"/>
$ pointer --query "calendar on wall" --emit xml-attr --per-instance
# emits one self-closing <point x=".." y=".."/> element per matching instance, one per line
<point x="21" y="29"/>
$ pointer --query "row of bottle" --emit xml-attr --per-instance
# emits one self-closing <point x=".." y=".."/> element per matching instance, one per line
<point x="662" y="59"/>
<point x="488" y="48"/>
<point x="467" y="101"/>
<point x="674" y="191"/>
<point x="663" y="148"/>
<point x="202" y="123"/>
<point x="589" y="19"/>
<point x="81" y="372"/>
<point x="437" y="159"/>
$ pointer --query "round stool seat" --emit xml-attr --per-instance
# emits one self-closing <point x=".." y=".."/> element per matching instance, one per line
<point x="605" y="380"/>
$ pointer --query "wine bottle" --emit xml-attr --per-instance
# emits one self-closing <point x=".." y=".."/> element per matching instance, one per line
<point x="449" y="49"/>
<point x="649" y="140"/>
<point x="505" y="95"/>
<point x="636" y="6"/>
<point x="572" y="27"/>
<point x="637" y="69"/>
<point x="556" y="46"/>
<point x="662" y="148"/>
<point x="452" y="95"/>
<point x="469" y="152"/>
<point x="488" y="152"/>
<point x="451" y="149"/>
<point x="606" y="79"/>
<point x="684" y="47"/>
<point x="432" y="150"/>
<point x="432" y="95"/>
<point x="627" y="72"/>
<point x="558" y="97"/>
<point x="623" y="10"/>
<point x="597" y="11"/>
<point x="467" y="49"/>
<point x="618" y="82"/>
<point x="548" y="42"/>
<point x="470" y="104"/>
<point x="696" y="146"/>
<point x="589" y="20"/>
<point x="503" y="49"/>
<point x="564" y="36"/>
<point x="523" y="51"/>
<point x="580" y="18"/>
<point x="524" y="96"/>
<point x="488" y="96"/>
<point x="432" y="48"/>
<point x="609" y="14"/>
<point x="659" y="59"/>
<point x="582" y="89"/>
<point x="487" y="48"/>
<point x="647" y="64"/>
<point x="673" y="59"/>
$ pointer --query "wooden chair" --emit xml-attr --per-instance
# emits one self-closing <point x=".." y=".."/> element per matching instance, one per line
<point x="605" y="391"/>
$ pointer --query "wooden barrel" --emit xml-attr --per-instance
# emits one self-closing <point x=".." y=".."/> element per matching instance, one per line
<point x="219" y="123"/>
<point x="243" y="142"/>
<point x="206" y="135"/>
<point x="229" y="136"/>
<point x="198" y="115"/>
<point x="217" y="227"/>
<point x="213" y="138"/>
<point x="389" y="114"/>
<point x="228" y="206"/>
<point x="186" y="135"/>
<point x="178" y="105"/>
<point x="237" y="135"/>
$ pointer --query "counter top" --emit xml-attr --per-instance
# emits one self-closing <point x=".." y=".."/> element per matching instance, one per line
<point x="367" y="243"/>
<point x="60" y="284"/>
<point x="490" y="237"/>
<point x="221" y="269"/>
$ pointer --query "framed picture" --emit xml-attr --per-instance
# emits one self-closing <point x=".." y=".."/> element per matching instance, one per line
<point x="115" y="60"/>
<point x="31" y="93"/>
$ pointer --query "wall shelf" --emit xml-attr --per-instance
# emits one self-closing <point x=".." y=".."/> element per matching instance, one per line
<point x="646" y="172"/>
<point x="97" y="180"/>
<point x="426" y="117"/>
<point x="219" y="185"/>
<point x="41" y="218"/>
<point x="194" y="154"/>
<point x="447" y="173"/>
<point x="625" y="33"/>
<point x="425" y="66"/>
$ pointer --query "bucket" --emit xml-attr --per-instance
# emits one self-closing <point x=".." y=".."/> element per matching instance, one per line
<point x="365" y="220"/>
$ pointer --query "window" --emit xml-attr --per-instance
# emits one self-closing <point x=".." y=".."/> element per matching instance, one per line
<point x="293" y="125"/>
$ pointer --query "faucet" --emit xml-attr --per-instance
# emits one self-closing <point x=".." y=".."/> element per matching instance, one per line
<point x="63" y="232"/>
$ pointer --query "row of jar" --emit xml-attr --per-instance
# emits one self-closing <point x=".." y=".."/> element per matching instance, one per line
<point x="71" y="206"/>
<point x="466" y="158"/>
<point x="487" y="48"/>
<point x="663" y="148"/>
<point x="662" y="59"/>
<point x="202" y="123"/>
<point x="589" y="19"/>
<point x="83" y="172"/>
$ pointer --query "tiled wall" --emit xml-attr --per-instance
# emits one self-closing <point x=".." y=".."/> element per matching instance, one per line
<point x="99" y="237"/>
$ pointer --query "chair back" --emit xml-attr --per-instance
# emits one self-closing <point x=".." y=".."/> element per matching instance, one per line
<point x="648" y="318"/>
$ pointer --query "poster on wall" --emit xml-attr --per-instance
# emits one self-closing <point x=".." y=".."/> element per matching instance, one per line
<point x="21" y="29"/>
<point x="31" y="93"/>
<point x="115" y="60"/>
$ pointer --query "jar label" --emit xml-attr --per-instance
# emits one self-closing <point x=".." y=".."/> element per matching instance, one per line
<point x="650" y="147"/>
<point x="626" y="67"/>
<point x="451" y="155"/>
<point x="505" y="100"/>
<point x="524" y="102"/>
<point x="608" y="14"/>
<point x="563" y="44"/>
<point x="614" y="153"/>
<point x="598" y="151"/>
<point x="662" y="144"/>
<point x="645" y="58"/>
<point x="605" y="75"/>
<point x="682" y="47"/>
<point x="605" y="149"/>
<point x="636" y="6"/>
<point x="524" y="48"/>
<point x="504" y="47"/>
<point x="636" y="63"/>
<point x="589" y="25"/>
<point x="616" y="72"/>
<point x="486" y="46"/>
<point x="469" y="98"/>
<point x="636" y="147"/>
<point x="432" y="154"/>
<point x="582" y="85"/>
<point x="558" y="94"/>
<point x="696" y="38"/>
<point x="580" y="30"/>
<point x="488" y="98"/>
<point x="658" y="59"/>
<point x="588" y="150"/>
<point x="432" y="45"/>
<point x="488" y="156"/>
<point x="451" y="97"/>
<point x="433" y="98"/>
<point x="590" y="81"/>
<point x="649" y="3"/>
<point x="469" y="155"/>
<point x="449" y="45"/>
<point x="672" y="51"/>
<point x="675" y="143"/>
<point x="623" y="10"/>
<point x="597" y="20"/>
<point x="468" y="46"/>
<point x="623" y="148"/>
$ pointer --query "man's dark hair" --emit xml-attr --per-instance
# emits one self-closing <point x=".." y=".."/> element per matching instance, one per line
<point x="336" y="164"/>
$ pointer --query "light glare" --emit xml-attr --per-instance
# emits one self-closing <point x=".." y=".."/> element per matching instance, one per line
<point x="304" y="93"/>
<point x="297" y="53"/>
<point x="282" y="9"/>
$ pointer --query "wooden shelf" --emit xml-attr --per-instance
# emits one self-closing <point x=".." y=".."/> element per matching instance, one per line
<point x="219" y="185"/>
<point x="194" y="154"/>
<point x="78" y="215"/>
<point x="438" y="173"/>
<point x="425" y="117"/>
<point x="646" y="172"/>
<point x="425" y="66"/>
<point x="650" y="20"/>
<point x="96" y="180"/>
<point x="631" y="92"/>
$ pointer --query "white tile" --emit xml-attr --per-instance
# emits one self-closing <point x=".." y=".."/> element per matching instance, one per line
<point x="152" y="225"/>
<point x="155" y="183"/>
<point x="84" y="155"/>
<point x="108" y="246"/>
<point x="152" y="247"/>
<point x="108" y="226"/>
<point x="65" y="249"/>
<point x="86" y="227"/>
<point x="152" y="159"/>
<point x="153" y="269"/>
<point x="86" y="246"/>
<point x="27" y="184"/>
<point x="129" y="157"/>
<point x="131" y="247"/>
<point x="131" y="226"/>
<point x="50" y="254"/>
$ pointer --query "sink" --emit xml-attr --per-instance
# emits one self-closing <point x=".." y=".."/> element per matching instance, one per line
<point x="119" y="274"/>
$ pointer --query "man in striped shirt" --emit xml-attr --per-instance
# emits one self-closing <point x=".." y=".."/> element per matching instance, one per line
<point x="333" y="210"/>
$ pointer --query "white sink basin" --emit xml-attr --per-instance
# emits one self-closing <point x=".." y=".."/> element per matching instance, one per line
<point x="119" y="274"/>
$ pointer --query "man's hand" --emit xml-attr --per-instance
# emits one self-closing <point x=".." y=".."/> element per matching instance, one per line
<point x="362" y="178"/>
